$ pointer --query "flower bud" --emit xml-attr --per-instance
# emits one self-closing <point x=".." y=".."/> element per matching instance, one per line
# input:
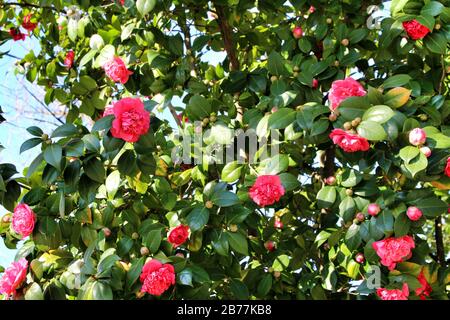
<point x="426" y="151"/>
<point x="360" y="217"/>
<point x="360" y="258"/>
<point x="278" y="224"/>
<point x="347" y="125"/>
<point x="273" y="78"/>
<point x="349" y="192"/>
<point x="106" y="232"/>
<point x="6" y="218"/>
<point x="297" y="32"/>
<point x="345" y="42"/>
<point x="332" y="117"/>
<point x="209" y="204"/>
<point x="315" y="84"/>
<point x="417" y="137"/>
<point x="329" y="21"/>
<point x="96" y="42"/>
<point x="233" y="228"/>
<point x="144" y="251"/>
<point x="330" y="180"/>
<point x="135" y="235"/>
<point x="373" y="209"/>
<point x="277" y="274"/>
<point x="270" y="245"/>
<point x="414" y="213"/>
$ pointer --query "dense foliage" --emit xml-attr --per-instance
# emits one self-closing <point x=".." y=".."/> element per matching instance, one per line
<point x="361" y="178"/>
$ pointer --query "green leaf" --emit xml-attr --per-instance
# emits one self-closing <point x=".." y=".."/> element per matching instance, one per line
<point x="238" y="242"/>
<point x="198" y="108"/>
<point x="416" y="165"/>
<point x="223" y="198"/>
<point x="408" y="153"/>
<point x="153" y="240"/>
<point x="282" y="118"/>
<point x="65" y="130"/>
<point x="103" y="123"/>
<point x="112" y="184"/>
<point x="402" y="225"/>
<point x="134" y="272"/>
<point x="351" y="178"/>
<point x="53" y="156"/>
<point x="372" y="131"/>
<point x="397" y="97"/>
<point x="198" y="218"/>
<point x="185" y="277"/>
<point x="239" y="289"/>
<point x="379" y="114"/>
<point x="101" y="291"/>
<point x="35" y="131"/>
<point x="95" y="170"/>
<point x="397" y="81"/>
<point x="30" y="143"/>
<point x="326" y="197"/>
<point x="231" y="172"/>
<point x="276" y="64"/>
<point x="145" y="6"/>
<point x="432" y="8"/>
<point x="34" y="292"/>
<point x="436" y="43"/>
<point x="281" y="263"/>
<point x="264" y="285"/>
<point x="72" y="29"/>
<point x="431" y="207"/>
<point x="289" y="181"/>
<point x="347" y="209"/>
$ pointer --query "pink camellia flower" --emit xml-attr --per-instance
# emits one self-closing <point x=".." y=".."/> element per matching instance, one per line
<point x="297" y="32"/>
<point x="13" y="277"/>
<point x="178" y="235"/>
<point x="349" y="142"/>
<point x="117" y="71"/>
<point x="373" y="209"/>
<point x="343" y="89"/>
<point x="109" y="110"/>
<point x="68" y="60"/>
<point x="394" y="294"/>
<point x="447" y="168"/>
<point x="425" y="290"/>
<point x="415" y="30"/>
<point x="131" y="119"/>
<point x="315" y="84"/>
<point x="426" y="151"/>
<point x="312" y="9"/>
<point x="156" y="277"/>
<point x="27" y="24"/>
<point x="417" y="137"/>
<point x="394" y="250"/>
<point x="23" y="220"/>
<point x="16" y="34"/>
<point x="277" y="224"/>
<point x="414" y="213"/>
<point x="267" y="190"/>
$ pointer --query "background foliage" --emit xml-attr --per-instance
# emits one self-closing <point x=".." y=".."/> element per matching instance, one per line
<point x="99" y="200"/>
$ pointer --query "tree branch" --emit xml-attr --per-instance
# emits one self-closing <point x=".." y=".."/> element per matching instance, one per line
<point x="440" y="249"/>
<point x="226" y="33"/>
<point x="43" y="104"/>
<point x="175" y="115"/>
<point x="31" y="5"/>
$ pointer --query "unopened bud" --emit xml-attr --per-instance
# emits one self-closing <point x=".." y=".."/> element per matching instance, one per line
<point x="144" y="251"/>
<point x="209" y="204"/>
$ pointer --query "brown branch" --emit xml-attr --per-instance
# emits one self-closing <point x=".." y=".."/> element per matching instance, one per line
<point x="175" y="115"/>
<point x="440" y="249"/>
<point x="226" y="33"/>
<point x="31" y="5"/>
<point x="43" y="105"/>
<point x="182" y="22"/>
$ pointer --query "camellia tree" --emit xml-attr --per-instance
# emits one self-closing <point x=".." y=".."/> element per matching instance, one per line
<point x="350" y="202"/>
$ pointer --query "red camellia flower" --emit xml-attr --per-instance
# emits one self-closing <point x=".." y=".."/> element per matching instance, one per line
<point x="343" y="89"/>
<point x="117" y="71"/>
<point x="425" y="290"/>
<point x="414" y="213"/>
<point x="394" y="294"/>
<point x="156" y="277"/>
<point x="415" y="29"/>
<point x="68" y="60"/>
<point x="315" y="84"/>
<point x="122" y="2"/>
<point x="178" y="235"/>
<point x="23" y="220"/>
<point x="349" y="142"/>
<point x="13" y="277"/>
<point x="267" y="190"/>
<point x="394" y="250"/>
<point x="27" y="24"/>
<point x="16" y="34"/>
<point x="447" y="168"/>
<point x="131" y="119"/>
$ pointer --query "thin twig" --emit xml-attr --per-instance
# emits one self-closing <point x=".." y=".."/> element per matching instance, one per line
<point x="44" y="105"/>
<point x="31" y="5"/>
